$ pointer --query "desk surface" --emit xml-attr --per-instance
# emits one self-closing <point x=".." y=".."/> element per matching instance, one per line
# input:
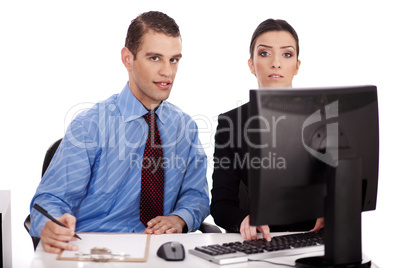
<point x="43" y="259"/>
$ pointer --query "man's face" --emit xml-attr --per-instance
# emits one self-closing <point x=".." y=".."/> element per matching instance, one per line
<point x="152" y="73"/>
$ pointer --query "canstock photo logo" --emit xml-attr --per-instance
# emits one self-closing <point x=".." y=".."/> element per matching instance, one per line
<point x="330" y="156"/>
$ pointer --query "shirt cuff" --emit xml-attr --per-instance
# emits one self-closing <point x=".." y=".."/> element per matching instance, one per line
<point x="187" y="218"/>
<point x="38" y="221"/>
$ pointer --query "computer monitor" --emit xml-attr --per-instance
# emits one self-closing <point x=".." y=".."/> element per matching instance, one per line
<point x="5" y="229"/>
<point x="314" y="152"/>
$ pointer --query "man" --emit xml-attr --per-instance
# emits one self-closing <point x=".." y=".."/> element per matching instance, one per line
<point x="94" y="181"/>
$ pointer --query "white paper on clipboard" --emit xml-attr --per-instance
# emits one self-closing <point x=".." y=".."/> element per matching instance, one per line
<point x="133" y="246"/>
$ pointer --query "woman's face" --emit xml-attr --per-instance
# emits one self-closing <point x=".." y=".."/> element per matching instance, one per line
<point x="275" y="59"/>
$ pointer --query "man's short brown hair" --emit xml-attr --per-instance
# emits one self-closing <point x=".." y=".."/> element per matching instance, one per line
<point x="152" y="20"/>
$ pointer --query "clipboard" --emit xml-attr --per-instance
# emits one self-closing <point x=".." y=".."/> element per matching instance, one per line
<point x="109" y="247"/>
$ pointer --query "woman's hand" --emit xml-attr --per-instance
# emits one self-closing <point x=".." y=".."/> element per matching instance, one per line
<point x="249" y="232"/>
<point x="319" y="224"/>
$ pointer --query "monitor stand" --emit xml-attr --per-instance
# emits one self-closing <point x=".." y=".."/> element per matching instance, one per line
<point x="343" y="206"/>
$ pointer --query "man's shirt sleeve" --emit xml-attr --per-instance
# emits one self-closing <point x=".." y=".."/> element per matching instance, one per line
<point x="66" y="179"/>
<point x="193" y="199"/>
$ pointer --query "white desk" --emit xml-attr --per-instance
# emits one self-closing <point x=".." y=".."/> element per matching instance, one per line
<point x="43" y="259"/>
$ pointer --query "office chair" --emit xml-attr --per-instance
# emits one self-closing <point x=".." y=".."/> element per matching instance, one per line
<point x="204" y="228"/>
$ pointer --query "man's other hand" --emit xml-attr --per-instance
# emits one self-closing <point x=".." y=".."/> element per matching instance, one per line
<point x="165" y="224"/>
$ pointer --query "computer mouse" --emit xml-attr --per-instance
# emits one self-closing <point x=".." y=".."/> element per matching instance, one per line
<point x="172" y="251"/>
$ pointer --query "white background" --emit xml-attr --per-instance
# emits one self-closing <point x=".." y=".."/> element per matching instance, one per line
<point x="58" y="56"/>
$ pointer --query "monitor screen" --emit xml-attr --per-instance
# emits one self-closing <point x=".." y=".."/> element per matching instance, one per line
<point x="305" y="147"/>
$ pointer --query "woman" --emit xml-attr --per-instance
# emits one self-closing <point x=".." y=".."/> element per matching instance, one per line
<point x="274" y="60"/>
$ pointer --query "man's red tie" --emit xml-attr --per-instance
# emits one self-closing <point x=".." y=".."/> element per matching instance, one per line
<point x="153" y="174"/>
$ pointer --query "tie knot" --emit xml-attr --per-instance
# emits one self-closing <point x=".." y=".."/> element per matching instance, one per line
<point x="150" y="118"/>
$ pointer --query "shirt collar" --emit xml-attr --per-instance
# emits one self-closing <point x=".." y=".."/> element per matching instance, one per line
<point x="131" y="108"/>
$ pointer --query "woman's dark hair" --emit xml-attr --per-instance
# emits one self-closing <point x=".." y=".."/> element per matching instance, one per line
<point x="152" y="20"/>
<point x="273" y="25"/>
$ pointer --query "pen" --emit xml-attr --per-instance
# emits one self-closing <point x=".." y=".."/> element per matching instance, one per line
<point x="44" y="212"/>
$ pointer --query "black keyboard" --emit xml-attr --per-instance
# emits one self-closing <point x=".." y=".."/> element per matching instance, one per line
<point x="284" y="245"/>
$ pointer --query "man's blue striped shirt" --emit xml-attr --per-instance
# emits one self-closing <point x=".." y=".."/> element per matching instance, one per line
<point x="95" y="174"/>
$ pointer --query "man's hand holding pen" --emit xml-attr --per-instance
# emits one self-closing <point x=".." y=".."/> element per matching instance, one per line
<point x="55" y="237"/>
